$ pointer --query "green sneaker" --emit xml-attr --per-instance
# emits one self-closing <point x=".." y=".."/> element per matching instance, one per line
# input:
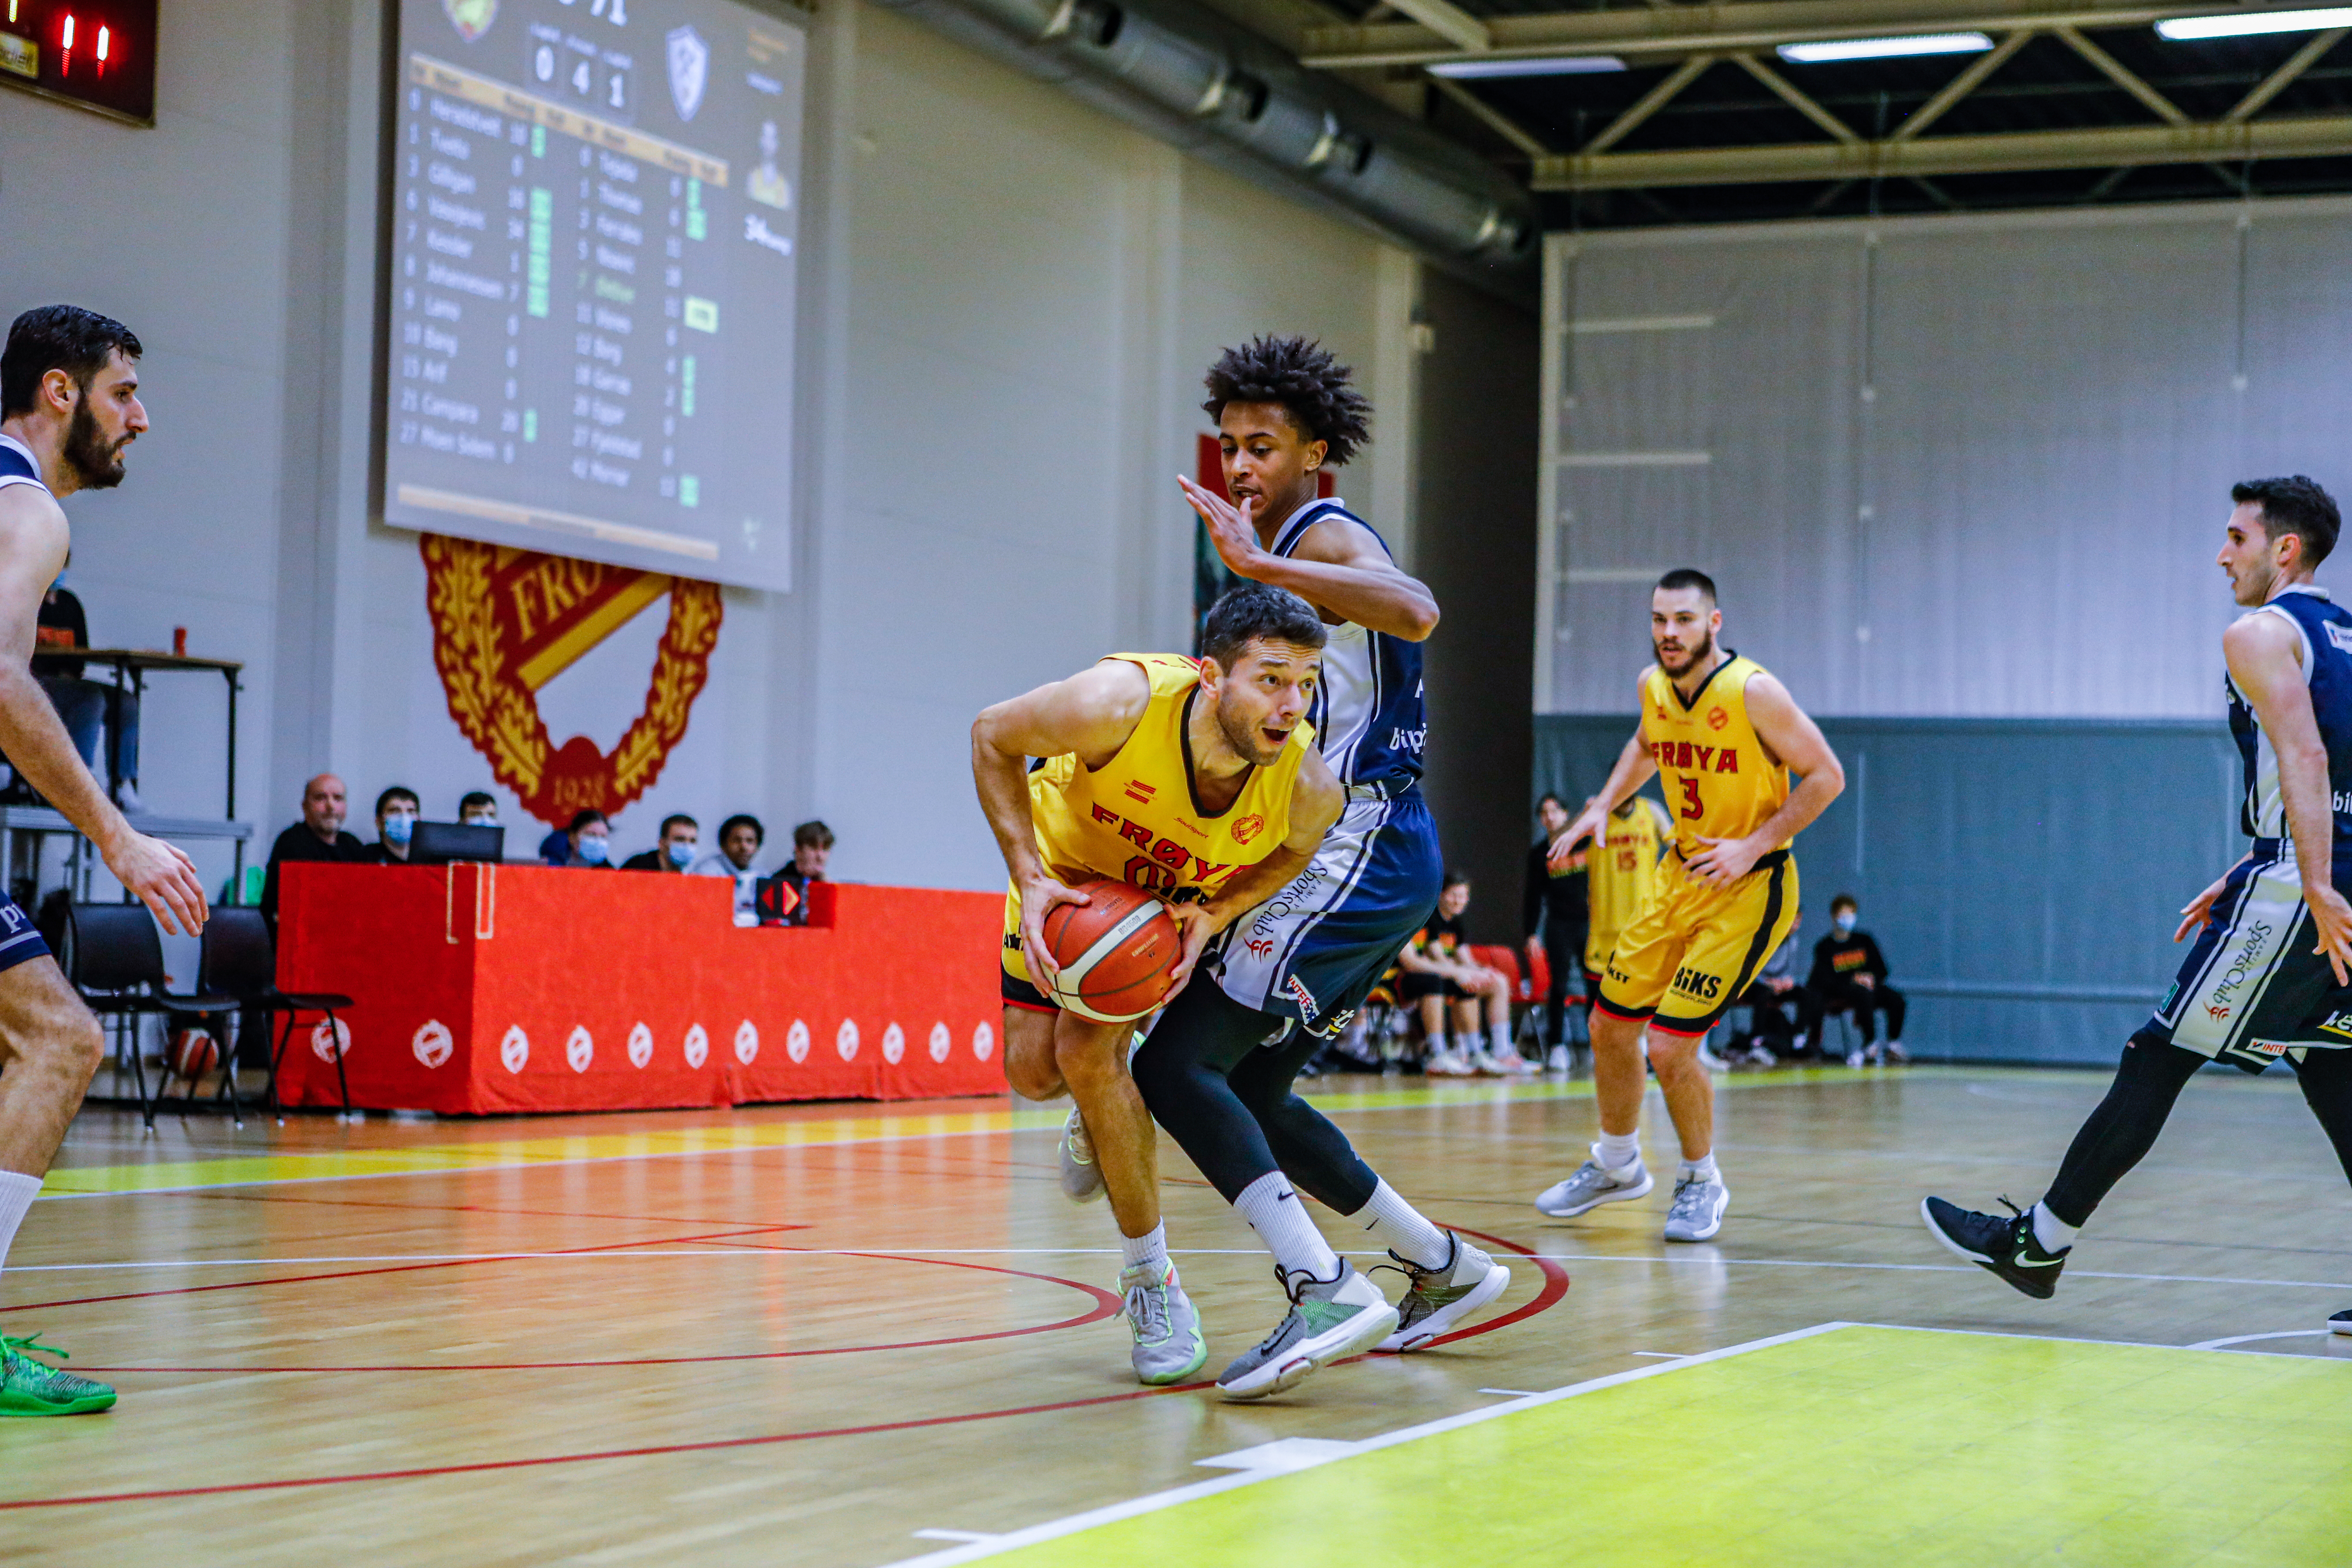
<point x="1437" y="1298"/>
<point x="1329" y="1320"/>
<point x="29" y="1387"/>
<point x="1169" y="1347"/>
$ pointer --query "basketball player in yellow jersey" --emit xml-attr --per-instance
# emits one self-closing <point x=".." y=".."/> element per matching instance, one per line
<point x="1726" y="736"/>
<point x="1199" y="780"/>
<point x="1620" y="880"/>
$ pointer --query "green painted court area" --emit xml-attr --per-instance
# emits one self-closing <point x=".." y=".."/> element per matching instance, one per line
<point x="1862" y="1446"/>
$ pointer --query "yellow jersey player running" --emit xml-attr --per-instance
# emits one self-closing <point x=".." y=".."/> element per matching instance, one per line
<point x="1199" y="780"/>
<point x="1724" y="736"/>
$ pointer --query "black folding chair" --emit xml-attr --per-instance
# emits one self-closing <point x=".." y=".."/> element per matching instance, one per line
<point x="114" y="957"/>
<point x="241" y="961"/>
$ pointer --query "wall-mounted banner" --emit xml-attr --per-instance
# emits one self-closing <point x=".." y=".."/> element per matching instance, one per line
<point x="507" y="622"/>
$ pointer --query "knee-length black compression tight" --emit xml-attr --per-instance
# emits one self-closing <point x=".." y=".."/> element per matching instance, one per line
<point x="2122" y="1131"/>
<point x="1225" y="1097"/>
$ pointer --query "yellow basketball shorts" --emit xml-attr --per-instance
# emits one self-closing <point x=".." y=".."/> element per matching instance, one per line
<point x="1695" y="947"/>
<point x="1017" y="989"/>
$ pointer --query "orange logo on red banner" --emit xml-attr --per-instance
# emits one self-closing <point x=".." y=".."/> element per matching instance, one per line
<point x="507" y="622"/>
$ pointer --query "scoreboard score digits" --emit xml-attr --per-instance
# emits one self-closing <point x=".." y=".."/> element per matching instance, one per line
<point x="97" y="54"/>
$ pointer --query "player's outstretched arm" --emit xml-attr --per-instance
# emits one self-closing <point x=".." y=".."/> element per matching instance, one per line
<point x="1339" y="566"/>
<point x="2263" y="654"/>
<point x="1317" y="799"/>
<point x="33" y="539"/>
<point x="1091" y="714"/>
<point x="1636" y="767"/>
<point x="1797" y="742"/>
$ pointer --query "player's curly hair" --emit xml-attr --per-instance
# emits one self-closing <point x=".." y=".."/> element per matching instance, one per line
<point x="1300" y="373"/>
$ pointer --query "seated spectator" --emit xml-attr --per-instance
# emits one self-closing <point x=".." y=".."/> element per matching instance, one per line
<point x="1850" y="977"/>
<point x="811" y="847"/>
<point x="1437" y="970"/>
<point x="740" y="840"/>
<point x="396" y="811"/>
<point x="674" y="851"/>
<point x="319" y="835"/>
<point x="1775" y="1004"/>
<point x="87" y="707"/>
<point x="588" y="842"/>
<point x="478" y="810"/>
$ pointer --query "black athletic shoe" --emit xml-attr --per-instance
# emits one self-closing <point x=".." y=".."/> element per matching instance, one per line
<point x="2008" y="1247"/>
<point x="2342" y="1322"/>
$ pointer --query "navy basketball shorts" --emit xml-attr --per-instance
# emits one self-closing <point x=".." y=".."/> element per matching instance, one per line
<point x="1314" y="950"/>
<point x="20" y="941"/>
<point x="2251" y="989"/>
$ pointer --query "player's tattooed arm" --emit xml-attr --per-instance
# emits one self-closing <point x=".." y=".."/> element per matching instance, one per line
<point x="1317" y="799"/>
<point x="2264" y="653"/>
<point x="1794" y="740"/>
<point x="32" y="541"/>
<point x="1636" y="767"/>
<point x="1091" y="714"/>
<point x="1339" y="566"/>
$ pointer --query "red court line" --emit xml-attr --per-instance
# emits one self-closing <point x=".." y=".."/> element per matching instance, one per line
<point x="485" y="1465"/>
<point x="1554" y="1286"/>
<point x="393" y="1268"/>
<point x="1106" y="1305"/>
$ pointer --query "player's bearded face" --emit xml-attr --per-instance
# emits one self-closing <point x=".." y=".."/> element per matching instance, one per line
<point x="1680" y="647"/>
<point x="94" y="459"/>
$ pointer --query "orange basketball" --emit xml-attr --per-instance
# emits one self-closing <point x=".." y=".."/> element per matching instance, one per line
<point x="193" y="1053"/>
<point x="1117" y="953"/>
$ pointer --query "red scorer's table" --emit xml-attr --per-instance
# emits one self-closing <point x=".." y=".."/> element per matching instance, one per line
<point x="516" y="988"/>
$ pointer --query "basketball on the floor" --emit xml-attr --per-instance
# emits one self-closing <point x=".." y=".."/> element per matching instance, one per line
<point x="192" y="1053"/>
<point x="1117" y="953"/>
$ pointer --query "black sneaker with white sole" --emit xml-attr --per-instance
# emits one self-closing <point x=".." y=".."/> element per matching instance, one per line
<point x="2341" y="1323"/>
<point x="2006" y="1248"/>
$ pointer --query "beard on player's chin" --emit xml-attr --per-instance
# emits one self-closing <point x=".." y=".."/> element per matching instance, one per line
<point x="97" y="463"/>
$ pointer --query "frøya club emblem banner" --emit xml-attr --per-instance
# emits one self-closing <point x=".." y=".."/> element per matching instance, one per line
<point x="472" y="18"/>
<point x="507" y="622"/>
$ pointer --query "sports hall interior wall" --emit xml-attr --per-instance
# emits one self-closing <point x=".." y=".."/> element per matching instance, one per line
<point x="1009" y="299"/>
<point x="2022" y="876"/>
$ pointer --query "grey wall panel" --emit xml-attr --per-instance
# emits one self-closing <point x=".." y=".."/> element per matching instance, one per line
<point x="2023" y="876"/>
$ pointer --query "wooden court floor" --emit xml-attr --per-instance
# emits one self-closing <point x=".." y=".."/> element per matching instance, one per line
<point x="860" y="1335"/>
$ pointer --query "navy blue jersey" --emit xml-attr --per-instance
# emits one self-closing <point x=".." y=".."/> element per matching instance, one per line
<point x="2326" y="629"/>
<point x="16" y="464"/>
<point x="1368" y="712"/>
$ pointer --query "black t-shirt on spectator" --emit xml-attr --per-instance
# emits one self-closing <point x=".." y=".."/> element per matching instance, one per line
<point x="1838" y="959"/>
<point x="646" y="860"/>
<point x="298" y="843"/>
<point x="1557" y="902"/>
<point x="61" y="624"/>
<point x="1442" y="937"/>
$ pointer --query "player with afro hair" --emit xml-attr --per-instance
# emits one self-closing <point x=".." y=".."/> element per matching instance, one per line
<point x="1306" y="380"/>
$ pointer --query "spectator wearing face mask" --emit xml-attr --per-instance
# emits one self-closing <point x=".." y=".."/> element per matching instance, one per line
<point x="675" y="850"/>
<point x="478" y="810"/>
<point x="587" y="842"/>
<point x="811" y="847"/>
<point x="1850" y="977"/>
<point x="319" y="835"/>
<point x="741" y="838"/>
<point x="396" y="824"/>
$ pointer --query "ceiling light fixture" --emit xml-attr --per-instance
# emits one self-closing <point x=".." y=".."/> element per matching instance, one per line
<point x="1549" y="65"/>
<point x="2191" y="29"/>
<point x="1833" y="50"/>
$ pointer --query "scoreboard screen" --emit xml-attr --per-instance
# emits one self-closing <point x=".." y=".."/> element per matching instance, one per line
<point x="591" y="277"/>
<point x="97" y="54"/>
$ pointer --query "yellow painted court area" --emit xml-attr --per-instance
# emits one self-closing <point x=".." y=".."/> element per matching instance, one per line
<point x="1856" y="1444"/>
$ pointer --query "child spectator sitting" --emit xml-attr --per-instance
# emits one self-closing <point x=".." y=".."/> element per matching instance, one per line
<point x="1438" y="971"/>
<point x="1850" y="977"/>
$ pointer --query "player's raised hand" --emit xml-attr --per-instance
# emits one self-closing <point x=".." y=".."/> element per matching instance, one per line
<point x="1039" y="894"/>
<point x="1592" y="820"/>
<point x="2198" y="910"/>
<point x="2332" y="916"/>
<point x="1723" y="860"/>
<point x="162" y="878"/>
<point x="1198" y="925"/>
<point x="1229" y="529"/>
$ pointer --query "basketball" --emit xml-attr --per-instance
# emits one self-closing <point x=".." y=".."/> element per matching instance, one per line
<point x="1118" y="954"/>
<point x="193" y="1053"/>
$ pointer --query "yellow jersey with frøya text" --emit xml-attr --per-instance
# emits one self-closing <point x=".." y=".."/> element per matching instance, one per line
<point x="1719" y="780"/>
<point x="1135" y="818"/>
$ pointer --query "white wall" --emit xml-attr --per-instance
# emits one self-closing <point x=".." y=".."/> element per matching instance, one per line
<point x="1011" y="299"/>
<point x="1938" y="467"/>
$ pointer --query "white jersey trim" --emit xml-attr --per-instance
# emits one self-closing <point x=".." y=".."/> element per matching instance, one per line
<point x="16" y="446"/>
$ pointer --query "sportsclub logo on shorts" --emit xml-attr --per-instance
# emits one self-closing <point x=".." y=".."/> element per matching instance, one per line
<point x="2248" y="957"/>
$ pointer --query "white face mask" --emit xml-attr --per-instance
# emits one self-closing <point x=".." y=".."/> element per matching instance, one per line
<point x="1844" y="923"/>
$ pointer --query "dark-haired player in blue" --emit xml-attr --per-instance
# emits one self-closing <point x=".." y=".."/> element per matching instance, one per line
<point x="68" y="406"/>
<point x="2268" y="975"/>
<point x="1217" y="1069"/>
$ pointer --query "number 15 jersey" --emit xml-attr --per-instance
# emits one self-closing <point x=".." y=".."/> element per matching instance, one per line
<point x="1719" y="782"/>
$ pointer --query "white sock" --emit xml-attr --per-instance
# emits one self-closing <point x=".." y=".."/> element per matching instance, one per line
<point x="1442" y="1045"/>
<point x="1703" y="1168"/>
<point x="2054" y="1233"/>
<point x="1500" y="1037"/>
<point x="16" y="1195"/>
<point x="1400" y="1227"/>
<point x="1616" y="1152"/>
<point x="1279" y="1216"/>
<point x="1148" y="1249"/>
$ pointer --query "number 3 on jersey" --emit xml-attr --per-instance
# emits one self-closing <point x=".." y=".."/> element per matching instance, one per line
<point x="1692" y="807"/>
